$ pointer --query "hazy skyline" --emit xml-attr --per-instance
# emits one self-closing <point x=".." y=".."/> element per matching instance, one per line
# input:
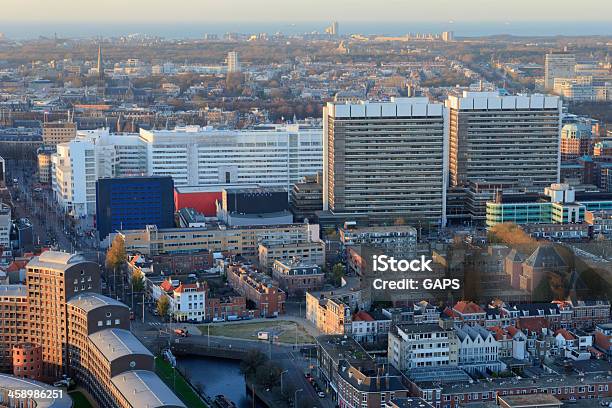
<point x="143" y="11"/>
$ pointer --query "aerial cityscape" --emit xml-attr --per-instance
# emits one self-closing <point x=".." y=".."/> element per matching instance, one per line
<point x="236" y="205"/>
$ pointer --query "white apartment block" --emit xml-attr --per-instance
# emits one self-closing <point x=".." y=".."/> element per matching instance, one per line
<point x="78" y="164"/>
<point x="422" y="345"/>
<point x="272" y="156"/>
<point x="478" y="350"/>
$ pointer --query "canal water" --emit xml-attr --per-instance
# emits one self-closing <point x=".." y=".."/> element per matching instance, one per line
<point x="218" y="376"/>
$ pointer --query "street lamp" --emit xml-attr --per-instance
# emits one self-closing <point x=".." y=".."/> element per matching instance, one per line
<point x="281" y="375"/>
<point x="295" y="397"/>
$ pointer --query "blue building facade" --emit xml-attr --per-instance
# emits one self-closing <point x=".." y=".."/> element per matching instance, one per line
<point x="133" y="203"/>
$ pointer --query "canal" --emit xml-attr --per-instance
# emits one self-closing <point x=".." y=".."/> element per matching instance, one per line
<point x="218" y="376"/>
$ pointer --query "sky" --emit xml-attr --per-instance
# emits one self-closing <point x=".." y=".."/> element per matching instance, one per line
<point x="175" y="11"/>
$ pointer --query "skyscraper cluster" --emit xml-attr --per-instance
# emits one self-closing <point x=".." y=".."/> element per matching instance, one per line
<point x="390" y="160"/>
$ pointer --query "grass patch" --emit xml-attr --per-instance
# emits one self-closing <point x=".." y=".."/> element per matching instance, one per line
<point x="285" y="330"/>
<point x="183" y="389"/>
<point x="79" y="400"/>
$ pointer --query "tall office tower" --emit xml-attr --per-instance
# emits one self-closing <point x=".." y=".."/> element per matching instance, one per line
<point x="558" y="65"/>
<point x="52" y="278"/>
<point x="332" y="29"/>
<point x="233" y="63"/>
<point x="58" y="132"/>
<point x="384" y="161"/>
<point x="448" y="36"/>
<point x="504" y="139"/>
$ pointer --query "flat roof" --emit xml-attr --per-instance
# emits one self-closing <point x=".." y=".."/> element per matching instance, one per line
<point x="13" y="290"/>
<point x="117" y="343"/>
<point x="144" y="389"/>
<point x="531" y="400"/>
<point x="210" y="188"/>
<point x="90" y="301"/>
<point x="10" y="382"/>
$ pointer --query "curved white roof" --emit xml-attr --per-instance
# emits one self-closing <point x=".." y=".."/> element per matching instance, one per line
<point x="144" y="389"/>
<point x="10" y="382"/>
<point x="90" y="301"/>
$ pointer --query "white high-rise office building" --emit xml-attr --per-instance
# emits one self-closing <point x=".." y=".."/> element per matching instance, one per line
<point x="273" y="156"/>
<point x="276" y="156"/>
<point x="386" y="160"/>
<point x="558" y="65"/>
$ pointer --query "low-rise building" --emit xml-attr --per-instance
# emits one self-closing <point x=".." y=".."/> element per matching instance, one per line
<point x="600" y="222"/>
<point x="422" y="345"/>
<point x="370" y="327"/>
<point x="296" y="277"/>
<point x="354" y="377"/>
<point x="310" y="252"/>
<point x="328" y="314"/>
<point x="258" y="288"/>
<point x="603" y="338"/>
<point x="478" y="350"/>
<point x="244" y="241"/>
<point x="397" y="240"/>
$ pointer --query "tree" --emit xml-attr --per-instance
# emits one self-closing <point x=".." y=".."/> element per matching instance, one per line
<point x="163" y="306"/>
<point x="116" y="256"/>
<point x="253" y="359"/>
<point x="137" y="282"/>
<point x="337" y="273"/>
<point x="268" y="374"/>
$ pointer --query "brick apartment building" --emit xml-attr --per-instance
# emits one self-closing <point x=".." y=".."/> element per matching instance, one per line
<point x="65" y="327"/>
<point x="258" y="288"/>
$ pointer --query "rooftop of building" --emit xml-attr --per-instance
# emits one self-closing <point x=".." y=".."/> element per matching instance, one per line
<point x="144" y="389"/>
<point x="545" y="256"/>
<point x="531" y="400"/>
<point x="55" y="260"/>
<point x="358" y="229"/>
<point x="9" y="382"/>
<point x="13" y="290"/>
<point x="372" y="377"/>
<point x="552" y="380"/>
<point x="410" y="328"/>
<point x="191" y="216"/>
<point x="91" y="301"/>
<point x="409" y="402"/>
<point x="340" y="347"/>
<point x="254" y="190"/>
<point x="117" y="343"/>
<point x="211" y="188"/>
<point x="467" y="307"/>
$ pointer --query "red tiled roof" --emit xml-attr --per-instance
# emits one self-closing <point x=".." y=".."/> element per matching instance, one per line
<point x="184" y="286"/>
<point x="533" y="324"/>
<point x="498" y="331"/>
<point x="167" y="286"/>
<point x="465" y="307"/>
<point x="362" y="316"/>
<point x="512" y="330"/>
<point x="565" y="334"/>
